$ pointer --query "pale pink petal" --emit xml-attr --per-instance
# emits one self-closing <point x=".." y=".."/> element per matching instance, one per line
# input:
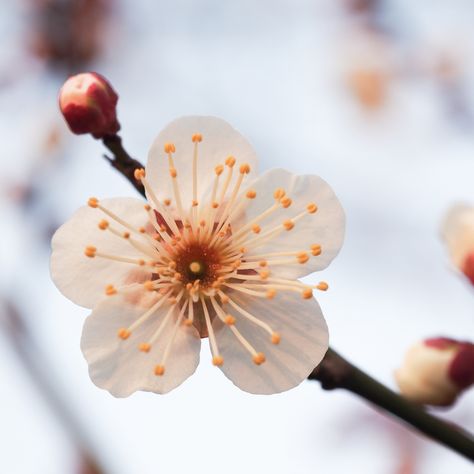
<point x="219" y="141"/>
<point x="82" y="279"/>
<point x="325" y="227"/>
<point x="119" y="366"/>
<point x="304" y="341"/>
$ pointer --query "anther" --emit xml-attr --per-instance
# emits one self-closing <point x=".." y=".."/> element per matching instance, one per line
<point x="93" y="202"/>
<point x="110" y="290"/>
<point x="159" y="370"/>
<point x="139" y="174"/>
<point x="302" y="257"/>
<point x="215" y="205"/>
<point x="307" y="293"/>
<point x="285" y="202"/>
<point x="218" y="170"/>
<point x="217" y="361"/>
<point x="288" y="224"/>
<point x="264" y="274"/>
<point x="123" y="333"/>
<point x="144" y="347"/>
<point x="244" y="169"/>
<point x="263" y="263"/>
<point x="271" y="294"/>
<point x="149" y="285"/>
<point x="169" y="148"/>
<point x="194" y="203"/>
<point x="90" y="251"/>
<point x="322" y="286"/>
<point x="259" y="358"/>
<point x="196" y="138"/>
<point x="311" y="208"/>
<point x="147" y="207"/>
<point x="188" y="322"/>
<point x="251" y="194"/>
<point x="142" y="230"/>
<point x="224" y="299"/>
<point x="256" y="228"/>
<point x="126" y="235"/>
<point x="229" y="320"/>
<point x="279" y="193"/>
<point x="103" y="224"/>
<point x="141" y="262"/>
<point x="316" y="250"/>
<point x="230" y="161"/>
<point x="276" y="338"/>
<point x="173" y="172"/>
<point x="167" y="202"/>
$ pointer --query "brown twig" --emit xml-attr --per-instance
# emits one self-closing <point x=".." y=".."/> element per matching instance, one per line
<point x="336" y="372"/>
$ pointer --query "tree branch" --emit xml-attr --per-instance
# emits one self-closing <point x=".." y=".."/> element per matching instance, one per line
<point x="336" y="372"/>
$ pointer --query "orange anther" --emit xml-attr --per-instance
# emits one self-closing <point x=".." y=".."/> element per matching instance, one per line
<point x="142" y="230"/>
<point x="271" y="294"/>
<point x="147" y="207"/>
<point x="188" y="322"/>
<point x="123" y="333"/>
<point x="263" y="263"/>
<point x="90" y="251"/>
<point x="229" y="320"/>
<point x="286" y="202"/>
<point x="312" y="208"/>
<point x="288" y="224"/>
<point x="307" y="293"/>
<point x="279" y="193"/>
<point x="302" y="257"/>
<point x="218" y="170"/>
<point x="217" y="361"/>
<point x="244" y="169"/>
<point x="230" y="161"/>
<point x="93" y="202"/>
<point x="139" y="173"/>
<point x="167" y="202"/>
<point x="103" y="224"/>
<point x="195" y="203"/>
<point x="144" y="347"/>
<point x="316" y="250"/>
<point x="126" y="235"/>
<point x="264" y="274"/>
<point x="159" y="370"/>
<point x="196" y="138"/>
<point x="276" y="338"/>
<point x="173" y="172"/>
<point x="322" y="285"/>
<point x="259" y="358"/>
<point x="169" y="148"/>
<point x="149" y="285"/>
<point x="110" y="290"/>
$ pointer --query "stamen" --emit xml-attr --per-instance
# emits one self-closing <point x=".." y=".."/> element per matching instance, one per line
<point x="322" y="286"/>
<point x="217" y="359"/>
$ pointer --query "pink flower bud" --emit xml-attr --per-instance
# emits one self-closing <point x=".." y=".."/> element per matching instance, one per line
<point x="88" y="103"/>
<point x="458" y="233"/>
<point x="435" y="371"/>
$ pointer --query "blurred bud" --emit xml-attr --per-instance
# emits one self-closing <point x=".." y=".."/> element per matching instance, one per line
<point x="435" y="371"/>
<point x="88" y="103"/>
<point x="457" y="232"/>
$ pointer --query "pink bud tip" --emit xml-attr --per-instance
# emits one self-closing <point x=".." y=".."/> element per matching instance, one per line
<point x="88" y="103"/>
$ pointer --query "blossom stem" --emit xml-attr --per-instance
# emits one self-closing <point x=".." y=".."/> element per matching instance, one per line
<point x="336" y="372"/>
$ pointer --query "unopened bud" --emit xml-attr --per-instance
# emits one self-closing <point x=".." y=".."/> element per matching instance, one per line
<point x="436" y="371"/>
<point x="88" y="103"/>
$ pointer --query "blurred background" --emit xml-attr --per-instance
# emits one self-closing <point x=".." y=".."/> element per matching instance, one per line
<point x="376" y="96"/>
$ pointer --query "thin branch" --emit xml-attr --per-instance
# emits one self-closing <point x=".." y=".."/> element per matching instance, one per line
<point x="336" y="372"/>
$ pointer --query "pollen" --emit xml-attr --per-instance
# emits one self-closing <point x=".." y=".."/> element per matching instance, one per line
<point x="244" y="169"/>
<point x="251" y="194"/>
<point x="311" y="208"/>
<point x="167" y="202"/>
<point x="90" y="251"/>
<point x="173" y="172"/>
<point x="286" y="202"/>
<point x="149" y="285"/>
<point x="139" y="174"/>
<point x="259" y="358"/>
<point x="316" y="250"/>
<point x="276" y="338"/>
<point x="307" y="293"/>
<point x="123" y="333"/>
<point x="196" y="138"/>
<point x="103" y="224"/>
<point x="288" y="224"/>
<point x="217" y="361"/>
<point x="229" y="320"/>
<point x="144" y="347"/>
<point x="110" y="290"/>
<point x="169" y="148"/>
<point x="279" y="193"/>
<point x="218" y="170"/>
<point x="230" y="161"/>
<point x="264" y="274"/>
<point x="93" y="202"/>
<point x="159" y="370"/>
<point x="322" y="286"/>
<point x="256" y="228"/>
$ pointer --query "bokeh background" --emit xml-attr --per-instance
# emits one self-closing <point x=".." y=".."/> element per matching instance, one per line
<point x="374" y="96"/>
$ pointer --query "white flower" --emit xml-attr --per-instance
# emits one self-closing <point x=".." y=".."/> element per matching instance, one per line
<point x="216" y="252"/>
<point x="457" y="232"/>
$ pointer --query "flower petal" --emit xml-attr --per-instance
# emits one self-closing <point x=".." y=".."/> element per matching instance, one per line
<point x="325" y="227"/>
<point x="119" y="366"/>
<point x="219" y="141"/>
<point x="83" y="279"/>
<point x="304" y="341"/>
<point x="457" y="230"/>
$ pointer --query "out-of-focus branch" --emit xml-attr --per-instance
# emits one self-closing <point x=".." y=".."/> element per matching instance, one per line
<point x="336" y="372"/>
<point x="14" y="326"/>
